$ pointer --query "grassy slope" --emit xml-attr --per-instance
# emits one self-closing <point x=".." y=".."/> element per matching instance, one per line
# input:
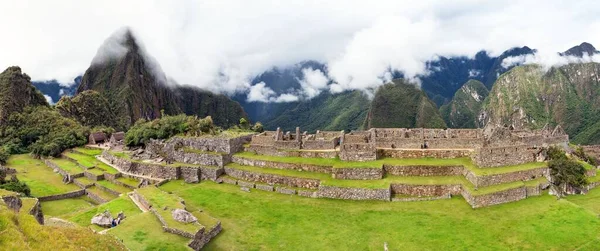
<point x="159" y="200"/>
<point x="41" y="179"/>
<point x="63" y="208"/>
<point x="67" y="165"/>
<point x="144" y="232"/>
<point x="122" y="203"/>
<point x="250" y="219"/>
<point x="91" y="161"/>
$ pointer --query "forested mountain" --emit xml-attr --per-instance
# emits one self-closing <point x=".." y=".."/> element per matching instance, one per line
<point x="16" y="93"/>
<point x="463" y="110"/>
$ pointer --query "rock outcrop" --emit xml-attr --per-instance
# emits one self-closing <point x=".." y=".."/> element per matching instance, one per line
<point x="183" y="216"/>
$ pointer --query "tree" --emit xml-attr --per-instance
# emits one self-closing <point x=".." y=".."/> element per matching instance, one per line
<point x="566" y="173"/>
<point x="3" y="156"/>
<point x="555" y="153"/>
<point x="244" y="124"/>
<point x="258" y="127"/>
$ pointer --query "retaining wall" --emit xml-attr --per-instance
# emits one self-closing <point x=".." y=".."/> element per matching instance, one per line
<point x="95" y="197"/>
<point x="281" y="165"/>
<point x="426" y="190"/>
<point x="272" y="178"/>
<point x="201" y="238"/>
<point x="424" y="153"/>
<point x="349" y="193"/>
<point x="423" y="170"/>
<point x="357" y="173"/>
<point x="477" y="201"/>
<point x="63" y="195"/>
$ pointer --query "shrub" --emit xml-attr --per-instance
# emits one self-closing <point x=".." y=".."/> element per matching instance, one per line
<point x="168" y="126"/>
<point x="3" y="156"/>
<point x="566" y="172"/>
<point x="555" y="152"/>
<point x="258" y="127"/>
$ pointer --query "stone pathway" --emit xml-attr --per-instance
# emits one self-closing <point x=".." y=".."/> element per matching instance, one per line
<point x="137" y="203"/>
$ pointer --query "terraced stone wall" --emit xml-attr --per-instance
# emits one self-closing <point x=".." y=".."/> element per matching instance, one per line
<point x="207" y="159"/>
<point x="357" y="173"/>
<point x="424" y="153"/>
<point x="12" y="202"/>
<point x="281" y="165"/>
<point x="426" y="190"/>
<point x="36" y="212"/>
<point x="94" y="177"/>
<point x="63" y="195"/>
<point x="350" y="193"/>
<point x="210" y="173"/>
<point x="525" y="175"/>
<point x="423" y="170"/>
<point x="201" y="238"/>
<point x="358" y="152"/>
<point x="272" y="151"/>
<point x="272" y="179"/>
<point x="477" y="201"/>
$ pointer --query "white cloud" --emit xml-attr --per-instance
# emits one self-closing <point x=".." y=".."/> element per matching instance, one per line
<point x="313" y="83"/>
<point x="221" y="45"/>
<point x="261" y="93"/>
<point x="49" y="99"/>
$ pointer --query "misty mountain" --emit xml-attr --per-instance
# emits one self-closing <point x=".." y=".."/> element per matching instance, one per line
<point x="136" y="88"/>
<point x="17" y="92"/>
<point x="580" y="50"/>
<point x="55" y="90"/>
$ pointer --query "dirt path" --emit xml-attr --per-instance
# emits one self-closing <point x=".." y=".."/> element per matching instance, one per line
<point x="137" y="203"/>
<point x="99" y="157"/>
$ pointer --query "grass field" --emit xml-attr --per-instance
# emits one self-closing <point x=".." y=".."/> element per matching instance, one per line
<point x="40" y="178"/>
<point x="66" y="207"/>
<point x="128" y="181"/>
<point x="103" y="194"/>
<point x="67" y="165"/>
<point x="122" y="203"/>
<point x="144" y="232"/>
<point x="272" y="221"/>
<point x="113" y="186"/>
<point x="90" y="161"/>
<point x="89" y="151"/>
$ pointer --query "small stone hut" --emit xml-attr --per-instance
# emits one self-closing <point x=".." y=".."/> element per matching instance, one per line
<point x="117" y="138"/>
<point x="97" y="138"/>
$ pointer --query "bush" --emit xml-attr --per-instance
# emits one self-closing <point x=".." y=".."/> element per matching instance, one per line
<point x="3" y="156"/>
<point x="42" y="131"/>
<point x="555" y="153"/>
<point x="258" y="127"/>
<point x="580" y="153"/>
<point x="567" y="172"/>
<point x="14" y="185"/>
<point x="168" y="126"/>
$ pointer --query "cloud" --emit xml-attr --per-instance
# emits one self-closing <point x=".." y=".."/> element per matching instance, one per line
<point x="313" y="83"/>
<point x="261" y="93"/>
<point x="221" y="45"/>
<point x="49" y="99"/>
<point x="548" y="60"/>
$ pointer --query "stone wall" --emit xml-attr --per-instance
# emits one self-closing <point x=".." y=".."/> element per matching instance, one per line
<point x="424" y="153"/>
<point x="202" y="238"/>
<point x="61" y="171"/>
<point x="94" y="177"/>
<point x="168" y="229"/>
<point x="357" y="173"/>
<point x="477" y="201"/>
<point x="13" y="202"/>
<point x="502" y="156"/>
<point x="211" y="173"/>
<point x="525" y="175"/>
<point x="190" y="174"/>
<point x="281" y="165"/>
<point x="349" y="193"/>
<point x="36" y="212"/>
<point x="358" y="152"/>
<point x="320" y="144"/>
<point x="95" y="197"/>
<point x="426" y="190"/>
<point x="423" y="170"/>
<point x="272" y="178"/>
<point x="108" y="190"/>
<point x="73" y="194"/>
<point x="207" y="159"/>
<point x="271" y="150"/>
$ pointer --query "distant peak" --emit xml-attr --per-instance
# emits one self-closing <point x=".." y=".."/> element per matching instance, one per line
<point x="116" y="46"/>
<point x="584" y="48"/>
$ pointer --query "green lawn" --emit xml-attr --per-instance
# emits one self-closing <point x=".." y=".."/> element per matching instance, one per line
<point x="89" y="151"/>
<point x="103" y="194"/>
<point x="84" y="180"/>
<point x="95" y="171"/>
<point x="27" y="204"/>
<point x="144" y="232"/>
<point x="122" y="203"/>
<point x="90" y="161"/>
<point x="272" y="221"/>
<point x="129" y="181"/>
<point x="65" y="207"/>
<point x="41" y="179"/>
<point x="113" y="186"/>
<point x="337" y="163"/>
<point x="67" y="165"/>
<point x="159" y="200"/>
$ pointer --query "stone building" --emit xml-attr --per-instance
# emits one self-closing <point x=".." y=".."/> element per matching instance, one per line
<point x="97" y="138"/>
<point x="117" y="138"/>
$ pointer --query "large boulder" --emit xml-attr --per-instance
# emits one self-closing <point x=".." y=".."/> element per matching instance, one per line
<point x="103" y="219"/>
<point x="183" y="216"/>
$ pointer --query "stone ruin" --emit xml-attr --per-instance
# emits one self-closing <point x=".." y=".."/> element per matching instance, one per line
<point x="106" y="220"/>
<point x="490" y="146"/>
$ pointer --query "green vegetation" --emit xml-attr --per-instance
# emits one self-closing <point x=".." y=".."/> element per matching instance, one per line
<point x="41" y="131"/>
<point x="144" y="232"/>
<point x="90" y="161"/>
<point x="113" y="186"/>
<point x="566" y="172"/>
<point x="15" y="185"/>
<point x="249" y="219"/>
<point x="326" y="111"/>
<point x="115" y="206"/>
<point x="84" y="180"/>
<point x="89" y="108"/>
<point x="89" y="151"/>
<point x="41" y="179"/>
<point x="67" y="165"/>
<point x="400" y="104"/>
<point x="16" y="93"/>
<point x="168" y="126"/>
<point x="103" y="194"/>
<point x="128" y="181"/>
<point x="3" y="156"/>
<point x="164" y="203"/>
<point x="66" y="207"/>
<point x="22" y="232"/>
<point x="464" y="108"/>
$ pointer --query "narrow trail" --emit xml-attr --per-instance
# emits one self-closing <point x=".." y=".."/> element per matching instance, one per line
<point x="137" y="203"/>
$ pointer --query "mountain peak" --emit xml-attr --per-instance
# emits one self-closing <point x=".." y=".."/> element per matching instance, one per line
<point x="580" y="50"/>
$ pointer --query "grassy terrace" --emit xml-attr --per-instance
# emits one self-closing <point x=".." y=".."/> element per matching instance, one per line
<point x="67" y="165"/>
<point x="66" y="207"/>
<point x="95" y="171"/>
<point x="125" y="155"/>
<point x="337" y="163"/>
<point x="103" y="194"/>
<point x="128" y="181"/>
<point x="249" y="219"/>
<point x="143" y="231"/>
<point x="327" y="180"/>
<point x="40" y="178"/>
<point x="89" y="151"/>
<point x="159" y="200"/>
<point x="115" y="206"/>
<point x="84" y="180"/>
<point x="6" y="193"/>
<point x="27" y="204"/>
<point x="113" y="186"/>
<point x="90" y="161"/>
